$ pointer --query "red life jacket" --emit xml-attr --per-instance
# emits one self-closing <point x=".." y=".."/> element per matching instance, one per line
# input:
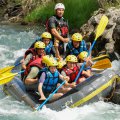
<point x="34" y="55"/>
<point x="60" y="26"/>
<point x="72" y="73"/>
<point x="37" y="63"/>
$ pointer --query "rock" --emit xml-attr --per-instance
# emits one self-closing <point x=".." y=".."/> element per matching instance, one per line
<point x="14" y="11"/>
<point x="118" y="21"/>
<point x="3" y="2"/>
<point x="110" y="40"/>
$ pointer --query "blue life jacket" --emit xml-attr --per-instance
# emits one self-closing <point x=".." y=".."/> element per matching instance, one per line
<point x="76" y="51"/>
<point x="48" y="48"/>
<point x="51" y="81"/>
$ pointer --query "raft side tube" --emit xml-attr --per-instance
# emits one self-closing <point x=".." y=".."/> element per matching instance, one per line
<point x="92" y="90"/>
<point x="14" y="89"/>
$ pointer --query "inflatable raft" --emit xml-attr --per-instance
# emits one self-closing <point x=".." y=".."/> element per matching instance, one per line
<point x="95" y="88"/>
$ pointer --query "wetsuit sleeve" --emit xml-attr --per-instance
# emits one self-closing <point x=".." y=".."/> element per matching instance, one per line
<point x="33" y="72"/>
<point x="42" y="78"/>
<point x="27" y="59"/>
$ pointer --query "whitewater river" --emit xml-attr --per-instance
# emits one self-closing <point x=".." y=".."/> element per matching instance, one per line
<point x="14" y="40"/>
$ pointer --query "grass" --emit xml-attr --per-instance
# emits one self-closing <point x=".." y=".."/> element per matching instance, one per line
<point x="77" y="12"/>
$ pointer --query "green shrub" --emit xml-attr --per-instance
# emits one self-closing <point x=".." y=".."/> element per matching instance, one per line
<point x="77" y="12"/>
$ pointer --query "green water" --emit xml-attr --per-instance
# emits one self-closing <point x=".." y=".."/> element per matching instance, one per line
<point x="14" y="40"/>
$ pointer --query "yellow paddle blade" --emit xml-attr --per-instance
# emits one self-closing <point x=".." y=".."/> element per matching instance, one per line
<point x="6" y="77"/>
<point x="100" y="57"/>
<point x="101" y="27"/>
<point x="6" y="69"/>
<point x="102" y="64"/>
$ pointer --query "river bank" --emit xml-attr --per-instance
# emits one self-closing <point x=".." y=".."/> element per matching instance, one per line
<point x="81" y="18"/>
<point x="37" y="11"/>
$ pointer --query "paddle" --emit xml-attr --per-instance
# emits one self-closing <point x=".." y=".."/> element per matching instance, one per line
<point x="8" y="68"/>
<point x="7" y="77"/>
<point x="100" y="57"/>
<point x="100" y="29"/>
<point x="102" y="64"/>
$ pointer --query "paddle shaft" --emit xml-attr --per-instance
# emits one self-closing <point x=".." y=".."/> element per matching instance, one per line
<point x="9" y="68"/>
<point x="41" y="105"/>
<point x="82" y="67"/>
<point x="100" y="29"/>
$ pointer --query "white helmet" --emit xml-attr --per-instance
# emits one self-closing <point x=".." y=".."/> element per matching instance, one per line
<point x="59" y="5"/>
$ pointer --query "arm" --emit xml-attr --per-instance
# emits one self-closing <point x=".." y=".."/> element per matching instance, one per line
<point x="86" y="73"/>
<point x="57" y="54"/>
<point x="73" y="84"/>
<point x="57" y="35"/>
<point x="26" y="61"/>
<point x="41" y="80"/>
<point x="41" y="91"/>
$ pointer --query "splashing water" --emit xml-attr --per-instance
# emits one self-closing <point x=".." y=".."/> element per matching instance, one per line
<point x="13" y="43"/>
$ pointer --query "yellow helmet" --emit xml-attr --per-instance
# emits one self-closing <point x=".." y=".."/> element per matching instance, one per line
<point x="71" y="58"/>
<point x="46" y="35"/>
<point x="77" y="37"/>
<point x="52" y="62"/>
<point x="45" y="59"/>
<point x="39" y="44"/>
<point x="61" y="64"/>
<point x="83" y="55"/>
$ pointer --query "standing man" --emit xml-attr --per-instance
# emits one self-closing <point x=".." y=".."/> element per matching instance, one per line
<point x="58" y="27"/>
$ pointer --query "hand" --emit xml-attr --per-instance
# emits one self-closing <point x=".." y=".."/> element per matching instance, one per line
<point x="42" y="98"/>
<point x="66" y="40"/>
<point x="73" y="84"/>
<point x="56" y="43"/>
<point x="88" y="61"/>
<point x="66" y="78"/>
<point x="59" y="58"/>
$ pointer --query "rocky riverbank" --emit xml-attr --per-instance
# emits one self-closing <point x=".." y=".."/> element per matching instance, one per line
<point x="14" y="11"/>
<point x="110" y="40"/>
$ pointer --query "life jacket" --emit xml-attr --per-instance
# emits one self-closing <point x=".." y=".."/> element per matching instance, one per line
<point x="51" y="81"/>
<point x="34" y="55"/>
<point x="72" y="73"/>
<point x="37" y="63"/>
<point x="61" y="25"/>
<point x="76" y="51"/>
<point x="48" y="48"/>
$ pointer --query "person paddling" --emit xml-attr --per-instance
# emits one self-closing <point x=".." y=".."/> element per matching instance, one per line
<point x="49" y="80"/>
<point x="83" y="56"/>
<point x="32" y="65"/>
<point x="71" y="70"/>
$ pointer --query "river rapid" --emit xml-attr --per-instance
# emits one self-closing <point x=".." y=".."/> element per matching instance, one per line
<point x="14" y="40"/>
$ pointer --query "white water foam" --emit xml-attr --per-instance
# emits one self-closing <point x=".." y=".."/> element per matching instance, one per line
<point x="116" y="65"/>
